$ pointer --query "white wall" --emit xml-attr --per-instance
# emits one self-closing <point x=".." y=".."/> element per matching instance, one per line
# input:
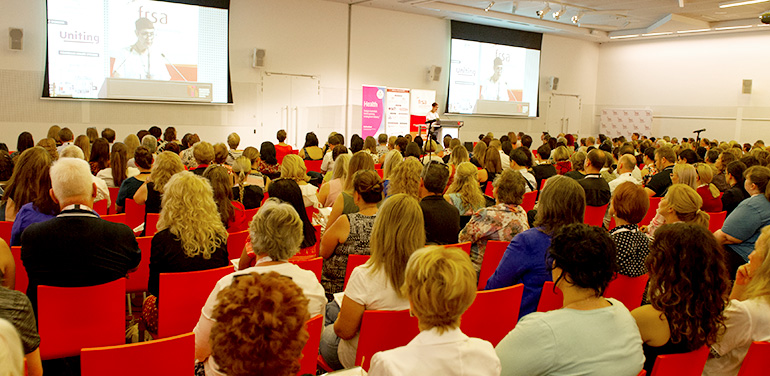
<point x="691" y="83"/>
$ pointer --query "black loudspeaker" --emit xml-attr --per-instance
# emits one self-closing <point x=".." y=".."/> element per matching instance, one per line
<point x="15" y="38"/>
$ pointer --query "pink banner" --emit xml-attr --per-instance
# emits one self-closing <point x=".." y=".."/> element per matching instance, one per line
<point x="373" y="111"/>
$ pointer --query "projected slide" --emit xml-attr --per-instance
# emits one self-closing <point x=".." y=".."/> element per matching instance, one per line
<point x="137" y="50"/>
<point x="493" y="79"/>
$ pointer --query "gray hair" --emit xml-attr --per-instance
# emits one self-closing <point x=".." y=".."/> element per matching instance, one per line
<point x="276" y="230"/>
<point x="72" y="151"/>
<point x="71" y="178"/>
<point x="150" y="142"/>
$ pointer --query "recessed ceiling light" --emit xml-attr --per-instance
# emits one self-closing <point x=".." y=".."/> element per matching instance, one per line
<point x="692" y="31"/>
<point x="625" y="36"/>
<point x="656" y="34"/>
<point x="732" y="27"/>
<point x="742" y="2"/>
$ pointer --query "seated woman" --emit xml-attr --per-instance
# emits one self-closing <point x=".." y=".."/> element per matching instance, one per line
<point x="747" y="316"/>
<point x="231" y="213"/>
<point x="687" y="291"/>
<point x="649" y="169"/>
<point x="440" y="285"/>
<point x="310" y="151"/>
<point x="268" y="163"/>
<point x="629" y="206"/>
<point x="17" y="309"/>
<point x="390" y="160"/>
<point x="150" y="194"/>
<point x="370" y="147"/>
<point x="590" y="334"/>
<point x="578" y="161"/>
<point x="562" y="202"/>
<point x="26" y="196"/>
<point x="737" y="191"/>
<point x="249" y="195"/>
<point x="561" y="160"/>
<point x="203" y="152"/>
<point x="275" y="233"/>
<point x="282" y="147"/>
<point x="712" y="201"/>
<point x="143" y="159"/>
<point x="190" y="237"/>
<point x="492" y="166"/>
<point x="464" y="192"/>
<point x="254" y="176"/>
<point x="405" y="178"/>
<point x="331" y="189"/>
<point x="265" y="313"/>
<point x="118" y="170"/>
<point x="500" y="222"/>
<point x="478" y="154"/>
<point x="412" y="150"/>
<point x="345" y="204"/>
<point x="293" y="168"/>
<point x="376" y="285"/>
<point x="684" y="174"/>
<point x="351" y="233"/>
<point x="100" y="155"/>
<point x="680" y="204"/>
<point x="431" y="153"/>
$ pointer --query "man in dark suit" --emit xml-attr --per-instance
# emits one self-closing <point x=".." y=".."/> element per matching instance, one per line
<point x="76" y="248"/>
<point x="597" y="189"/>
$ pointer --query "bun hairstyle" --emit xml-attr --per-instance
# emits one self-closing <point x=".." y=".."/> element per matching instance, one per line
<point x="368" y="184"/>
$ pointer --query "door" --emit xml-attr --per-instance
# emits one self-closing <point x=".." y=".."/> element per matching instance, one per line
<point x="291" y="103"/>
<point x="564" y="113"/>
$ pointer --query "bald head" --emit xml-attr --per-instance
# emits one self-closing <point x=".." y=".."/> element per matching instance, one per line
<point x="626" y="163"/>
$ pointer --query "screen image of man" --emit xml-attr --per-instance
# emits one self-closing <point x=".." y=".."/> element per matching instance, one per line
<point x="496" y="88"/>
<point x="140" y="60"/>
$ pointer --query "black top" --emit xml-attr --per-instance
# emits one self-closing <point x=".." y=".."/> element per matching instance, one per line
<point x="252" y="196"/>
<point x="733" y="196"/>
<point x="543" y="171"/>
<point x="200" y="169"/>
<point x="442" y="220"/>
<point x="154" y="198"/>
<point x="577" y="175"/>
<point x="127" y="190"/>
<point x="633" y="246"/>
<point x="597" y="190"/>
<point x="661" y="181"/>
<point x="651" y="353"/>
<point x="167" y="256"/>
<point x="77" y="249"/>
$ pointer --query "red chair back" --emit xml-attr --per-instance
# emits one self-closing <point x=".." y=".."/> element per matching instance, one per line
<point x="528" y="200"/>
<point x="377" y="166"/>
<point x="492" y="256"/>
<point x="307" y="364"/>
<point x="550" y="300"/>
<point x="384" y="330"/>
<point x="167" y="356"/>
<point x="313" y="165"/>
<point x="100" y="207"/>
<point x="716" y="220"/>
<point x="628" y="290"/>
<point x="264" y="198"/>
<point x="489" y="189"/>
<point x="235" y="243"/>
<point x="5" y="231"/>
<point x="755" y="362"/>
<point x="134" y="213"/>
<point x="250" y="213"/>
<point x="466" y="247"/>
<point x="280" y="153"/>
<point x="137" y="281"/>
<point x="313" y="249"/>
<point x="315" y="265"/>
<point x="686" y="364"/>
<point x="151" y="225"/>
<point x="96" y="318"/>
<point x="380" y="172"/>
<point x="493" y="314"/>
<point x="594" y="215"/>
<point x="353" y="261"/>
<point x="115" y="218"/>
<point x="113" y="199"/>
<point x="21" y="279"/>
<point x="184" y="294"/>
<point x="654" y="201"/>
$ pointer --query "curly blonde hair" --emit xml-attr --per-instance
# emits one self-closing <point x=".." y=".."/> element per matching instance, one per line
<point x="405" y="178"/>
<point x="166" y="165"/>
<point x="190" y="214"/>
<point x="259" y="326"/>
<point x="467" y="185"/>
<point x="293" y="167"/>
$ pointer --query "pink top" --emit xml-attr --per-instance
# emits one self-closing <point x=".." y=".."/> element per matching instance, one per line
<point x="335" y="187"/>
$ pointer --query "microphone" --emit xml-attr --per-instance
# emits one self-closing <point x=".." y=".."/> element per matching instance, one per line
<point x="174" y="66"/>
<point x="699" y="130"/>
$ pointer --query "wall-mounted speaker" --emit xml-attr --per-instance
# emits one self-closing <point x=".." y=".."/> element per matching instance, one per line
<point x="553" y="83"/>
<point x="258" y="58"/>
<point x="15" y="38"/>
<point x="746" y="87"/>
<point x="434" y="73"/>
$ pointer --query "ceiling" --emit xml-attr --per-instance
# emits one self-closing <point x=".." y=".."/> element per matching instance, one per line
<point x="600" y="21"/>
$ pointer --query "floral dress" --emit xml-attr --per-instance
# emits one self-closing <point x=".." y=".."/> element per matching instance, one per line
<point x="499" y="222"/>
<point x="273" y="171"/>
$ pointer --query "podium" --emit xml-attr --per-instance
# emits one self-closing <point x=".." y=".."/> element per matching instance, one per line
<point x="152" y="90"/>
<point x="442" y="128"/>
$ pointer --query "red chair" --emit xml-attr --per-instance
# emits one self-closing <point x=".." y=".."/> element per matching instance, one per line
<point x="716" y="220"/>
<point x="312" y="251"/>
<point x="168" y="356"/>
<point x="383" y="330"/>
<point x="21" y="279"/>
<point x="264" y="198"/>
<point x="353" y="261"/>
<point x="755" y="362"/>
<point x="628" y="290"/>
<point x="315" y="265"/>
<point x="151" y="225"/>
<point x="235" y="243"/>
<point x="250" y="213"/>
<point x="594" y="215"/>
<point x="115" y="218"/>
<point x="134" y="213"/>
<point x="377" y="166"/>
<point x="307" y="364"/>
<point x="686" y="364"/>
<point x="137" y="280"/>
<point x="654" y="202"/>
<point x="113" y="200"/>
<point x="184" y="294"/>
<point x="492" y="256"/>
<point x="489" y="189"/>
<point x="100" y="207"/>
<point x="528" y="200"/>
<point x="551" y="298"/>
<point x="96" y="317"/>
<point x="313" y="165"/>
<point x="493" y="314"/>
<point x="5" y="231"/>
<point x="642" y="373"/>
<point x="466" y="247"/>
<point x="380" y="172"/>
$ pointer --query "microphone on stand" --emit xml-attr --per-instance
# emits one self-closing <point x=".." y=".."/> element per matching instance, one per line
<point x="174" y="66"/>
<point x="697" y="133"/>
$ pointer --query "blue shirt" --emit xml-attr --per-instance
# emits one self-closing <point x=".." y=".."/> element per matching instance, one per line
<point x="746" y="222"/>
<point x="26" y="216"/>
<point x="524" y="262"/>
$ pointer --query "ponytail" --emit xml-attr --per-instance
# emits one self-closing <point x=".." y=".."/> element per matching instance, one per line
<point x="702" y="218"/>
<point x="714" y="190"/>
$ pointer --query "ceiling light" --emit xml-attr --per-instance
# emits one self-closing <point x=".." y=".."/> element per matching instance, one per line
<point x="513" y="8"/>
<point x="742" y="2"/>
<point x="489" y="6"/>
<point x="656" y="34"/>
<point x="557" y="14"/>
<point x="576" y="18"/>
<point x="625" y="36"/>
<point x="692" y="31"/>
<point x="732" y="27"/>
<point x="544" y="11"/>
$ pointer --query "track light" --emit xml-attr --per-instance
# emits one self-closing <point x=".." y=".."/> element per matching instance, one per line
<point x="557" y="14"/>
<point x="491" y="3"/>
<point x="576" y="18"/>
<point x="544" y="11"/>
<point x="513" y="8"/>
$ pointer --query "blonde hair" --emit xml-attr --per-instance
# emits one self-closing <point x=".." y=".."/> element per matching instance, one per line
<point x="459" y="155"/>
<point x="430" y="147"/>
<point x="203" y="152"/>
<point x="166" y="165"/>
<point x="241" y="167"/>
<point x="686" y="174"/>
<point x="341" y="166"/>
<point x="440" y="284"/>
<point x="84" y="144"/>
<point x="276" y="230"/>
<point x="132" y="142"/>
<point x="190" y="214"/>
<point x="406" y="178"/>
<point x="561" y="154"/>
<point x="759" y="286"/>
<point x="466" y="184"/>
<point x="398" y="231"/>
<point x="359" y="161"/>
<point x="686" y="203"/>
<point x="293" y="167"/>
<point x="706" y="176"/>
<point x="392" y="159"/>
<point x="479" y="151"/>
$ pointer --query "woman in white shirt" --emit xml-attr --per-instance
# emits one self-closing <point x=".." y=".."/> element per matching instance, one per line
<point x="440" y="284"/>
<point x="118" y="170"/>
<point x="398" y="231"/>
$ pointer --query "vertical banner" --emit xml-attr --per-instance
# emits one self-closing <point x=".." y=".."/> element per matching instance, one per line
<point x="421" y="105"/>
<point x="373" y="111"/>
<point x="397" y="114"/>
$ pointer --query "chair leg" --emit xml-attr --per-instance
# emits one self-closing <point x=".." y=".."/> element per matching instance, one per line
<point x="128" y="301"/>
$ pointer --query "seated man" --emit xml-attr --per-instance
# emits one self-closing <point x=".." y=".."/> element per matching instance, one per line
<point x="664" y="161"/>
<point x="442" y="219"/>
<point x="597" y="189"/>
<point x="76" y="248"/>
